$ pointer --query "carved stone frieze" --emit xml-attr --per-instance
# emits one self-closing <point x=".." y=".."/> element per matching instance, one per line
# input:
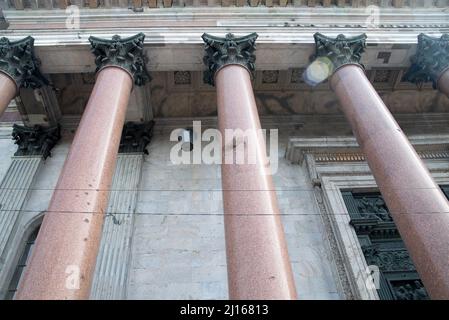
<point x="356" y="156"/>
<point x="388" y="260"/>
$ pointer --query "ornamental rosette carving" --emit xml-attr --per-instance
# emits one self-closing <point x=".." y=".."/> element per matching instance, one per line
<point x="17" y="59"/>
<point x="126" y="53"/>
<point x="430" y="60"/>
<point x="388" y="260"/>
<point x="36" y="140"/>
<point x="228" y="50"/>
<point x="135" y="137"/>
<point x="339" y="51"/>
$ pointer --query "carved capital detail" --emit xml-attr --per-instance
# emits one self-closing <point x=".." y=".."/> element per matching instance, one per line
<point x="17" y="59"/>
<point x="430" y="60"/>
<point x="125" y="53"/>
<point x="339" y="51"/>
<point x="228" y="50"/>
<point x="135" y="137"/>
<point x="37" y="140"/>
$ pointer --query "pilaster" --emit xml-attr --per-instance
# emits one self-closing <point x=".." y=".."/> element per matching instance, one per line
<point x="110" y="278"/>
<point x="34" y="145"/>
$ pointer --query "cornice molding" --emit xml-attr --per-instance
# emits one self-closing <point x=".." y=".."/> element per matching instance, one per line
<point x="180" y="25"/>
<point x="278" y="16"/>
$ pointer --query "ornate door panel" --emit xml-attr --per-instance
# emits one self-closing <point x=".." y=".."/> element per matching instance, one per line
<point x="382" y="247"/>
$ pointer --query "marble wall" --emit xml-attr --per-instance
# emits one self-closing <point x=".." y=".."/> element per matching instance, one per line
<point x="177" y="248"/>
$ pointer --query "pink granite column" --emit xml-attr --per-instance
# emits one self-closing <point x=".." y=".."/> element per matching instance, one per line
<point x="63" y="260"/>
<point x="443" y="82"/>
<point x="8" y="90"/>
<point x="416" y="203"/>
<point x="257" y="257"/>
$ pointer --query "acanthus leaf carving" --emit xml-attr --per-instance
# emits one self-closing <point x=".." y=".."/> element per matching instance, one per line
<point x="17" y="60"/>
<point x="228" y="50"/>
<point x="430" y="60"/>
<point x="135" y="137"/>
<point x="125" y="53"/>
<point x="36" y="140"/>
<point x="335" y="53"/>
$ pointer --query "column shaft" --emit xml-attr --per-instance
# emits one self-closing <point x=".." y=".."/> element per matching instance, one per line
<point x="258" y="262"/>
<point x="443" y="82"/>
<point x="418" y="207"/>
<point x="8" y="90"/>
<point x="63" y="261"/>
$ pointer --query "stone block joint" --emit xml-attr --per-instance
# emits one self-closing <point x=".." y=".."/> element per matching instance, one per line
<point x="228" y="50"/>
<point x="125" y="53"/>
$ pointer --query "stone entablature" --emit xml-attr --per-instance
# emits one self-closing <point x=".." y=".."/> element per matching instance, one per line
<point x="138" y="5"/>
<point x="346" y="149"/>
<point x="173" y="37"/>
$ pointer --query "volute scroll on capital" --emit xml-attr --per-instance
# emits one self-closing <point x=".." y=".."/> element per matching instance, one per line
<point x="332" y="54"/>
<point x="430" y="61"/>
<point x="17" y="60"/>
<point x="227" y="51"/>
<point x="126" y="53"/>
